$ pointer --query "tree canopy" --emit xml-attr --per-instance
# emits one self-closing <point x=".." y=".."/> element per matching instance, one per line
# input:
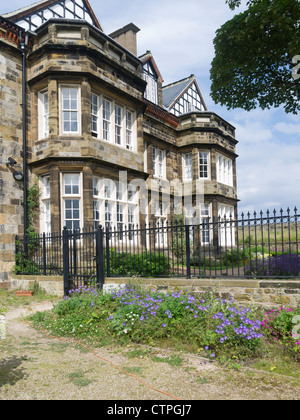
<point x="255" y="57"/>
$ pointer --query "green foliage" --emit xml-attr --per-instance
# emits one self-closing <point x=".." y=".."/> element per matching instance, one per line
<point x="25" y="265"/>
<point x="278" y="325"/>
<point x="201" y="323"/>
<point x="33" y="205"/>
<point x="24" y="257"/>
<point x="253" y="57"/>
<point x="146" y="264"/>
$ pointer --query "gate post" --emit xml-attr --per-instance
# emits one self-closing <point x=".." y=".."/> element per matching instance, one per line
<point x="99" y="257"/>
<point x="66" y="261"/>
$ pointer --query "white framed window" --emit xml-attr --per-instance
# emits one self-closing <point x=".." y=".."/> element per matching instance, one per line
<point x="226" y="226"/>
<point x="96" y="214"/>
<point x="106" y="115"/>
<point x="120" y="216"/>
<point x="206" y="227"/>
<point x="160" y="220"/>
<point x="129" y="124"/>
<point x="95" y="106"/>
<point x="70" y="110"/>
<point x="108" y="214"/>
<point x="43" y="114"/>
<point x="113" y="122"/>
<point x="188" y="166"/>
<point x="118" y="125"/>
<point x="72" y="200"/>
<point x="115" y="205"/>
<point x="224" y="170"/>
<point x="159" y="162"/>
<point x="204" y="164"/>
<point x="45" y="220"/>
<point x="151" y="92"/>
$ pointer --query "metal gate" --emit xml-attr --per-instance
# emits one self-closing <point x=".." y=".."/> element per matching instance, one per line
<point x="83" y="259"/>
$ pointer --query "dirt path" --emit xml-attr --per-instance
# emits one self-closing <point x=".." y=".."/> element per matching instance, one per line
<point x="34" y="366"/>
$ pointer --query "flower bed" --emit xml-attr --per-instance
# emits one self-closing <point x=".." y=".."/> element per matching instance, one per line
<point x="276" y="266"/>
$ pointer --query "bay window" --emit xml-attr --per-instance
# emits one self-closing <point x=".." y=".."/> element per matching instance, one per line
<point x="112" y="122"/>
<point x="115" y="205"/>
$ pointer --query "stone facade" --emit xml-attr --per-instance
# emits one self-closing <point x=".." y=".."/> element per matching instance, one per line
<point x="11" y="192"/>
<point x="82" y="87"/>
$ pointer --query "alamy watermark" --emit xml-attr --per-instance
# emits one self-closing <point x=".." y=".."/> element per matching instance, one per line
<point x="188" y="197"/>
<point x="296" y="69"/>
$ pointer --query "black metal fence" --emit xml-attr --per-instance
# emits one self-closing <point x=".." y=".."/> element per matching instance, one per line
<point x="258" y="246"/>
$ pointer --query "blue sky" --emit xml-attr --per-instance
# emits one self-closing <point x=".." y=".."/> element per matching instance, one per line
<point x="180" y="36"/>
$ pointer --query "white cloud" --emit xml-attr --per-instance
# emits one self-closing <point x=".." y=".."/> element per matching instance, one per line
<point x="288" y="128"/>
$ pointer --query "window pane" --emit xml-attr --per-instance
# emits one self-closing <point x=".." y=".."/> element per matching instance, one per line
<point x="94" y="112"/>
<point x="129" y="121"/>
<point x="203" y="164"/>
<point x="71" y="183"/>
<point x="106" y="119"/>
<point x="70" y="109"/>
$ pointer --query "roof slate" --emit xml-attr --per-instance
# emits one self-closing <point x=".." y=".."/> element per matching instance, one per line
<point x="172" y="91"/>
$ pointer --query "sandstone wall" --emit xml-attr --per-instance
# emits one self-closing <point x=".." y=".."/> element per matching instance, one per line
<point x="11" y="191"/>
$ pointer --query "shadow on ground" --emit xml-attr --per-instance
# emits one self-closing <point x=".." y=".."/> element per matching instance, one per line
<point x="11" y="370"/>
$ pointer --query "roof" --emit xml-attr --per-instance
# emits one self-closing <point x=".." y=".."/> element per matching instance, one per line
<point x="80" y="9"/>
<point x="173" y="91"/>
<point x="149" y="57"/>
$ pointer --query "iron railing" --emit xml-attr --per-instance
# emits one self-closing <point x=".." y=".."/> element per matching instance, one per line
<point x="265" y="246"/>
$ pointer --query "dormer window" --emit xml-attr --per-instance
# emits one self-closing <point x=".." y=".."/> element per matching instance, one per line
<point x="149" y="75"/>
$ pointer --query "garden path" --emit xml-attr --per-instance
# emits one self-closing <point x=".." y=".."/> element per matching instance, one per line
<point x="34" y="366"/>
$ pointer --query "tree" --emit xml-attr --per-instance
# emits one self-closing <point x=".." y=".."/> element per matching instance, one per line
<point x="255" y="57"/>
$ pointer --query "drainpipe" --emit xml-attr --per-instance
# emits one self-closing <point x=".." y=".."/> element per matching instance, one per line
<point x="24" y="48"/>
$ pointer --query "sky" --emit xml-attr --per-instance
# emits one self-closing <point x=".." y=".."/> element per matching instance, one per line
<point x="180" y="36"/>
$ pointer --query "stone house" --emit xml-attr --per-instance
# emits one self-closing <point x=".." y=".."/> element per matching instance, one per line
<point x="91" y="120"/>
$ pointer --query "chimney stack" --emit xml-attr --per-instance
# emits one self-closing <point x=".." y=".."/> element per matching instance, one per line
<point x="126" y="36"/>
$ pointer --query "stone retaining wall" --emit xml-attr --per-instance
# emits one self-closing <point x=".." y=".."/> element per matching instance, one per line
<point x="269" y="293"/>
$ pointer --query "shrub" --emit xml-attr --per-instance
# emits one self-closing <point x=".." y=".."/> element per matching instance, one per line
<point x="278" y="325"/>
<point x="207" y="322"/>
<point x="280" y="265"/>
<point x="145" y="264"/>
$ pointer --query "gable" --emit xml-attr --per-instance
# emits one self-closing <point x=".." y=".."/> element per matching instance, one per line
<point x="183" y="96"/>
<point x="32" y="17"/>
<point x="149" y="66"/>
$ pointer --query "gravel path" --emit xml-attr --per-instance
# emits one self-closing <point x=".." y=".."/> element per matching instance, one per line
<point x="34" y="366"/>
